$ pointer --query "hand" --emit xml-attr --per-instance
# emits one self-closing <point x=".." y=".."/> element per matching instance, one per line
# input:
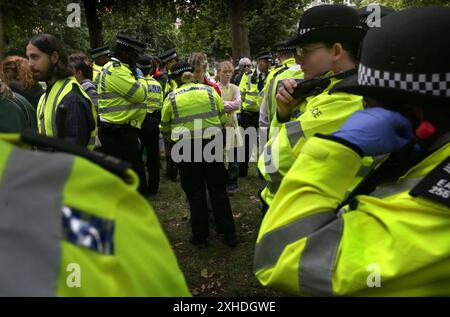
<point x="376" y="131"/>
<point x="285" y="102"/>
<point x="138" y="73"/>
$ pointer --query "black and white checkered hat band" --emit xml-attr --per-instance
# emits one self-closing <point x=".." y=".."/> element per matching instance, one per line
<point x="179" y="71"/>
<point x="437" y="84"/>
<point x="168" y="58"/>
<point x="94" y="56"/>
<point x="285" y="48"/>
<point x="135" y="47"/>
<point x="305" y="30"/>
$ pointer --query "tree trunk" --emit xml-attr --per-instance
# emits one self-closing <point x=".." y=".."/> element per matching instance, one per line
<point x="239" y="29"/>
<point x="2" y="40"/>
<point x="93" y="23"/>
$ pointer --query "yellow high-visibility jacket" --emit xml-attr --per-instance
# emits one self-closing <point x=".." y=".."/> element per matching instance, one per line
<point x="195" y="109"/>
<point x="71" y="228"/>
<point x="121" y="97"/>
<point x="393" y="244"/>
<point x="324" y="113"/>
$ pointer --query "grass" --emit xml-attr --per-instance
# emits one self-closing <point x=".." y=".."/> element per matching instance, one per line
<point x="218" y="270"/>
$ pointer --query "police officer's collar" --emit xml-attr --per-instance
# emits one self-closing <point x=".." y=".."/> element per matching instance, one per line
<point x="110" y="163"/>
<point x="115" y="59"/>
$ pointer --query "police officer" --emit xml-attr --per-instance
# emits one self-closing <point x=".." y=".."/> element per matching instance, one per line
<point x="286" y="56"/>
<point x="101" y="56"/>
<point x="150" y="127"/>
<point x="394" y="239"/>
<point x="168" y="58"/>
<point x="122" y="106"/>
<point x="252" y="83"/>
<point x="193" y="118"/>
<point x="74" y="225"/>
<point x="328" y="39"/>
<point x="65" y="110"/>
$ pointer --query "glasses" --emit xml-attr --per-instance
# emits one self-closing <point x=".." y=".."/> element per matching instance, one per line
<point x="304" y="51"/>
<point x="247" y="66"/>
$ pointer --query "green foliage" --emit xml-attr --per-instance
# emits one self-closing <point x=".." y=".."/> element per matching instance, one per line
<point x="155" y="25"/>
<point x="203" y="25"/>
<point x="271" y="21"/>
<point x="21" y="20"/>
<point x="204" y="28"/>
<point x="402" y="4"/>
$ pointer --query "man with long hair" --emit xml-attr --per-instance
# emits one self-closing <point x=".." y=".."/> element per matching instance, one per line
<point x="65" y="110"/>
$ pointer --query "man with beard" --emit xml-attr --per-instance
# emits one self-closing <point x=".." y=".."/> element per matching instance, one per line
<point x="65" y="110"/>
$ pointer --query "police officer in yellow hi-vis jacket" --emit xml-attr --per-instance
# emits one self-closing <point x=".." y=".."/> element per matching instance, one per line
<point x="193" y="118"/>
<point x="394" y="238"/>
<point x="168" y="58"/>
<point x="101" y="56"/>
<point x="150" y="127"/>
<point x="252" y="83"/>
<point x="65" y="110"/>
<point x="75" y="225"/>
<point x="328" y="40"/>
<point x="122" y="93"/>
<point x="286" y="56"/>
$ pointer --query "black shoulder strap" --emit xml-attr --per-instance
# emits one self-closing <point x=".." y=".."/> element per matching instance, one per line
<point x="280" y="71"/>
<point x="107" y="162"/>
<point x="393" y="168"/>
<point x="388" y="171"/>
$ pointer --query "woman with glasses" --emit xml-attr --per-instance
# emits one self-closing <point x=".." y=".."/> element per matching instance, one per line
<point x="327" y="42"/>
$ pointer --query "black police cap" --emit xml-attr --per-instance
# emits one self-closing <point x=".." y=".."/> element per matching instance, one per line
<point x="168" y="54"/>
<point x="180" y="67"/>
<point x="144" y="62"/>
<point x="130" y="42"/>
<point x="264" y="55"/>
<point x="405" y="61"/>
<point x="283" y="46"/>
<point x="329" y="23"/>
<point x="100" y="51"/>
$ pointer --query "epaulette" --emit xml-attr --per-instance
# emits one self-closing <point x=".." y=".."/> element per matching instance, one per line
<point x="281" y="70"/>
<point x="346" y="77"/>
<point x="435" y="185"/>
<point x="116" y="64"/>
<point x="110" y="163"/>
